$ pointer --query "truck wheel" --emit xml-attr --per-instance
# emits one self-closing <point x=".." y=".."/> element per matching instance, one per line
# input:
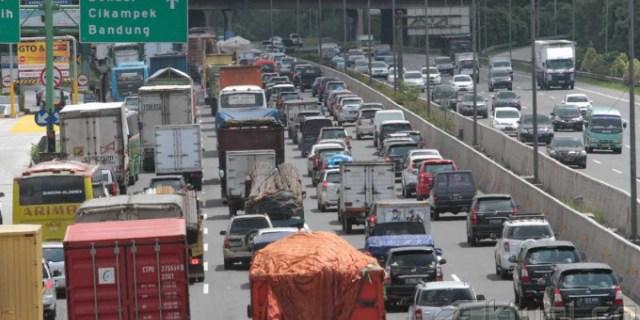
<point x="228" y="264"/>
<point x="617" y="150"/>
<point x="233" y="211"/>
<point x="588" y="149"/>
<point x="347" y="225"/>
<point x="435" y="215"/>
<point x="123" y="188"/>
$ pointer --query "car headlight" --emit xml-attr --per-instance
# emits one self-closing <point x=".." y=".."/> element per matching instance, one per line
<point x="583" y="153"/>
<point x="552" y="152"/>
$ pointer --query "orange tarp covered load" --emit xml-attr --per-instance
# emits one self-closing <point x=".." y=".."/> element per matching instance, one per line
<point x="315" y="276"/>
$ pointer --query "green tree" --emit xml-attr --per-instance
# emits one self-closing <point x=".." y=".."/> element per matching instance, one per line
<point x="636" y="72"/>
<point x="619" y="66"/>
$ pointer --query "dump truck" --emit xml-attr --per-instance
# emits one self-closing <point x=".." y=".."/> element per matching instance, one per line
<point x="339" y="282"/>
<point x="174" y="60"/>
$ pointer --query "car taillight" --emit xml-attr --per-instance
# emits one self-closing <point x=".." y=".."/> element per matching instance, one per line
<point x="422" y="177"/>
<point x="372" y="220"/>
<point x="506" y="246"/>
<point x="524" y="275"/>
<point x="195" y="261"/>
<point x="114" y="189"/>
<point x="226" y="243"/>
<point x="387" y="159"/>
<point x="618" y="296"/>
<point x="387" y="276"/>
<point x="474" y="216"/>
<point x="325" y="185"/>
<point x="48" y="284"/>
<point x="439" y="276"/>
<point x="418" y="314"/>
<point x="325" y="164"/>
<point x="515" y="211"/>
<point x="557" y="298"/>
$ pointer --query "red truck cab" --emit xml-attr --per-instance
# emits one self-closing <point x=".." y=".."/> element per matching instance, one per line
<point x="427" y="170"/>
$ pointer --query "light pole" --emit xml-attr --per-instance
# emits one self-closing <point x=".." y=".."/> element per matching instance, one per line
<point x="369" y="39"/>
<point x="573" y="20"/>
<point x="344" y="34"/>
<point x="510" y="22"/>
<point x="319" y="22"/>
<point x="393" y="44"/>
<point x="606" y="27"/>
<point x="555" y="17"/>
<point x="534" y="98"/>
<point x="298" y="17"/>
<point x="427" y="62"/>
<point x="476" y="33"/>
<point x="632" y="125"/>
<point x="271" y="17"/>
<point x="48" y="27"/>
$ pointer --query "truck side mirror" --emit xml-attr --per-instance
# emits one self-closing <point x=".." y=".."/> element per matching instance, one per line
<point x="1" y="194"/>
<point x="223" y="232"/>
<point x="624" y="124"/>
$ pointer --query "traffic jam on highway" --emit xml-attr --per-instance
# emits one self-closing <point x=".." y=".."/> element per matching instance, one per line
<point x="324" y="205"/>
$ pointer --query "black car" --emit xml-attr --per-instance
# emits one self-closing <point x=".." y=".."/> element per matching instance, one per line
<point x="396" y="153"/>
<point x="566" y="117"/>
<point x="309" y="130"/>
<point x="405" y="268"/>
<point x="307" y="77"/>
<point x="505" y="99"/>
<point x="390" y="127"/>
<point x="445" y="95"/>
<point x="525" y="129"/>
<point x="535" y="261"/>
<point x="500" y="78"/>
<point x="568" y="150"/>
<point x="452" y="191"/>
<point x="489" y="310"/>
<point x="582" y="290"/>
<point x="488" y="212"/>
<point x="294" y="128"/>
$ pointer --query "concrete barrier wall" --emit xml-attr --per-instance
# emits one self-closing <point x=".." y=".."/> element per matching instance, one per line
<point x="599" y="243"/>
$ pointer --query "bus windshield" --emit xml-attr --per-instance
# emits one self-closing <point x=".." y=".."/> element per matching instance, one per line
<point x="52" y="190"/>
<point x="606" y="124"/>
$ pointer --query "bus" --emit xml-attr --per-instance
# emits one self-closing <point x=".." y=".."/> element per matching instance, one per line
<point x="604" y="128"/>
<point x="49" y="193"/>
<point x="127" y="78"/>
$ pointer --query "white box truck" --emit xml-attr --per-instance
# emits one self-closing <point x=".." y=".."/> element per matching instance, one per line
<point x="555" y="63"/>
<point x="363" y="183"/>
<point x="162" y="105"/>
<point x="239" y="166"/>
<point x="178" y="151"/>
<point x="97" y="133"/>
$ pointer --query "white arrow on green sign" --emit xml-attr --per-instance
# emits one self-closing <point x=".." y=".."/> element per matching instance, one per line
<point x="9" y="21"/>
<point x="133" y="20"/>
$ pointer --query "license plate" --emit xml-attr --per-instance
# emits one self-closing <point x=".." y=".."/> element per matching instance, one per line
<point x="495" y="221"/>
<point x="456" y="197"/>
<point x="588" y="301"/>
<point x="412" y="281"/>
<point x="561" y="81"/>
<point x="604" y="146"/>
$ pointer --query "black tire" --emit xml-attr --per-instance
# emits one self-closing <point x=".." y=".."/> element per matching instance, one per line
<point x="617" y="150"/>
<point x="498" y="271"/>
<point x="490" y="89"/>
<point x="123" y="188"/>
<point x="346" y="225"/>
<point x="228" y="264"/>
<point x="579" y="128"/>
<point x="51" y="316"/>
<point x="588" y="149"/>
<point x="233" y="211"/>
<point x="583" y="166"/>
<point x="474" y="240"/>
<point x="435" y="215"/>
<point x="520" y="303"/>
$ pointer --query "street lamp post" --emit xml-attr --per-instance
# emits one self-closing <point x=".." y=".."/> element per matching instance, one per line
<point x="393" y="44"/>
<point x="319" y="22"/>
<point x="573" y="20"/>
<point x="369" y="39"/>
<point x="632" y="125"/>
<point x="606" y="27"/>
<point x="510" y="22"/>
<point x="475" y="35"/>
<point x="271" y="17"/>
<point x="534" y="101"/>
<point x="427" y="62"/>
<point x="344" y="34"/>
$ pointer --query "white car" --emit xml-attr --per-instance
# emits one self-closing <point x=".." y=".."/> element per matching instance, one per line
<point x="434" y="75"/>
<point x="327" y="189"/>
<point x="413" y="79"/>
<point x="410" y="172"/>
<point x="361" y="66"/>
<point x="379" y="69"/>
<point x="315" y="149"/>
<point x="391" y="75"/>
<point x="515" y="232"/>
<point x="424" y="152"/>
<point x="580" y="100"/>
<point x="506" y="120"/>
<point x="431" y="298"/>
<point x="348" y="113"/>
<point x="53" y="254"/>
<point x="462" y="82"/>
<point x="364" y="123"/>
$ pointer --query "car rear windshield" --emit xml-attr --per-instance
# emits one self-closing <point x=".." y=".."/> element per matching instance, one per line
<point x="461" y="78"/>
<point x="401" y="150"/>
<point x="53" y="254"/>
<point x="567" y="142"/>
<point x="529" y="232"/>
<point x="444" y="297"/>
<point x="495" y="204"/>
<point x="438" y="167"/>
<point x="577" y="99"/>
<point x="333" y="134"/>
<point x="489" y="312"/>
<point x="413" y="258"/>
<point x="368" y="114"/>
<point x="173" y="183"/>
<point x="398" y="228"/>
<point x="334" y="177"/>
<point x="243" y="226"/>
<point x="458" y="180"/>
<point x="569" y="112"/>
<point x="552" y="255"/>
<point x="395" y="127"/>
<point x="325" y="153"/>
<point x="542" y="119"/>
<point x="601" y="279"/>
<point x="507" y="114"/>
<point x="500" y="73"/>
<point x="507" y="95"/>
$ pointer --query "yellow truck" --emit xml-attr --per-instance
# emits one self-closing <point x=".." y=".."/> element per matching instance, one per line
<point x="21" y="272"/>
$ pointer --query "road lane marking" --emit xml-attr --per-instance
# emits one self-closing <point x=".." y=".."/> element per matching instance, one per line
<point x="205" y="230"/>
<point x="205" y="288"/>
<point x="455" y="278"/>
<point x="206" y="247"/>
<point x="596" y="162"/>
<point x="205" y="266"/>
<point x="630" y="312"/>
<point x="616" y="171"/>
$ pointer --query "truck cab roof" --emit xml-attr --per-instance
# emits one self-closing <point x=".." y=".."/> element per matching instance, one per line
<point x="248" y="88"/>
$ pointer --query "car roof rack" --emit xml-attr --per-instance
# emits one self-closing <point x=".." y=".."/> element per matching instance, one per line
<point x="527" y="216"/>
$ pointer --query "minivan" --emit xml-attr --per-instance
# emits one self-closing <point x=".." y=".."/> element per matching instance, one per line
<point x="309" y="130"/>
<point x="603" y="129"/>
<point x="452" y="191"/>
<point x="381" y="116"/>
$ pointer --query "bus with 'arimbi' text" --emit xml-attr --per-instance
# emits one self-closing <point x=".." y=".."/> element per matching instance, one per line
<point x="49" y="193"/>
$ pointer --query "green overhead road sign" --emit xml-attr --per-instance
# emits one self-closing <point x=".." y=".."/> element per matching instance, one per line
<point x="9" y="21"/>
<point x="133" y="20"/>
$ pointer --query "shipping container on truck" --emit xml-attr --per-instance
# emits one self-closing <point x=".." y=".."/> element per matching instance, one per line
<point x="21" y="272"/>
<point x="178" y="151"/>
<point x="97" y="133"/>
<point x="239" y="165"/>
<point x="200" y="43"/>
<point x="162" y="105"/>
<point x="173" y="60"/>
<point x="363" y="183"/>
<point x="210" y="79"/>
<point x="127" y="270"/>
<point x="248" y="135"/>
<point x="240" y="76"/>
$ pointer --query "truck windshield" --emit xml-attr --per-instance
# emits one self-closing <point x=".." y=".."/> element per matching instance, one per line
<point x="560" y="64"/>
<point x="243" y="226"/>
<point x="242" y="100"/>
<point x="606" y="124"/>
<point x="398" y="228"/>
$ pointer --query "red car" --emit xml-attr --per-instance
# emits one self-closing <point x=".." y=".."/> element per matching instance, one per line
<point x="428" y="169"/>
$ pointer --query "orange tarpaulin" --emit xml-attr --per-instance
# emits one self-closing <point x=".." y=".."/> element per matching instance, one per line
<point x="311" y="276"/>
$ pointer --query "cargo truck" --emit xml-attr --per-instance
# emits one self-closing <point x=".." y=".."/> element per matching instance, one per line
<point x="127" y="78"/>
<point x="173" y="60"/>
<point x="162" y="105"/>
<point x="97" y="133"/>
<point x="363" y="183"/>
<point x="139" y="266"/>
<point x="246" y="135"/>
<point x="239" y="165"/>
<point x="21" y="283"/>
<point x="211" y="74"/>
<point x="555" y="63"/>
<point x="339" y="282"/>
<point x="178" y="151"/>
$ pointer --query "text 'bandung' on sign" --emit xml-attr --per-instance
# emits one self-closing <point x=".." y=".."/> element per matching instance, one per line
<point x="133" y="20"/>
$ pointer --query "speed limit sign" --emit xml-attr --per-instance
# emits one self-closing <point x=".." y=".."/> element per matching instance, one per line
<point x="83" y="80"/>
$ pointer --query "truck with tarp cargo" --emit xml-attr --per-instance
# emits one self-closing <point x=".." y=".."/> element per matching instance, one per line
<point x="158" y="203"/>
<point x="315" y="276"/>
<point x="139" y="266"/>
<point x="240" y="164"/>
<point x="97" y="133"/>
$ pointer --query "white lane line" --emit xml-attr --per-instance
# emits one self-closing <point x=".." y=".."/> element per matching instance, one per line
<point x="205" y="266"/>
<point x="205" y="230"/>
<point x="455" y="278"/>
<point x="596" y="162"/>
<point x="205" y="288"/>
<point x="616" y="171"/>
<point x="206" y="247"/>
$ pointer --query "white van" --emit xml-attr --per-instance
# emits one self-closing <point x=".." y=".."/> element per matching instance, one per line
<point x="382" y="116"/>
